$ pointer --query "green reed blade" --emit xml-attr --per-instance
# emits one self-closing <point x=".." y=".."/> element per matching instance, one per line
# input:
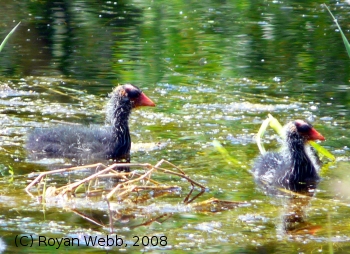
<point x="275" y="124"/>
<point x="225" y="154"/>
<point x="346" y="42"/>
<point x="320" y="149"/>
<point x="8" y="36"/>
<point x="260" y="134"/>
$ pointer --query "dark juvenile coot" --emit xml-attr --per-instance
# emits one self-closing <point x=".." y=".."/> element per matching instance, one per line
<point x="93" y="143"/>
<point x="296" y="166"/>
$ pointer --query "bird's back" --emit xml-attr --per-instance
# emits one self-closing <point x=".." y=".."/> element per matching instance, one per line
<point x="271" y="167"/>
<point x="277" y="170"/>
<point x="70" y="141"/>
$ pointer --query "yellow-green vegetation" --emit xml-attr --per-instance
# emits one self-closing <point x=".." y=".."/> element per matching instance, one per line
<point x="225" y="154"/>
<point x="346" y="42"/>
<point x="8" y="36"/>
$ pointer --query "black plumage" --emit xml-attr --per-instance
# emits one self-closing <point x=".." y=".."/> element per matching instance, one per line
<point x="296" y="166"/>
<point x="82" y="142"/>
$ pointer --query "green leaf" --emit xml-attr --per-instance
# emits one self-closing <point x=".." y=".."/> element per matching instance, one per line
<point x="11" y="171"/>
<point x="260" y="134"/>
<point x="8" y="36"/>
<point x="320" y="149"/>
<point x="224" y="153"/>
<point x="275" y="124"/>
<point x="346" y="42"/>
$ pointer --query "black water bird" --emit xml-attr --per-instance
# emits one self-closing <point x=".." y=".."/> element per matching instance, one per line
<point x="296" y="166"/>
<point x="84" y="142"/>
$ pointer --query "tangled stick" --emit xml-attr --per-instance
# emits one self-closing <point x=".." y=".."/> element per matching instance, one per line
<point x="128" y="182"/>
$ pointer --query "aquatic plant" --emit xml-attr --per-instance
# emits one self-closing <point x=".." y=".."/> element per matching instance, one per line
<point x="346" y="42"/>
<point x="8" y="36"/>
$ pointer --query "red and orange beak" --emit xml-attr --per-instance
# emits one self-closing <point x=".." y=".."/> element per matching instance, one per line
<point x="315" y="135"/>
<point x="143" y="100"/>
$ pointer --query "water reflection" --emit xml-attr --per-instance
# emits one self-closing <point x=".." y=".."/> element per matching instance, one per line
<point x="294" y="218"/>
<point x="143" y="40"/>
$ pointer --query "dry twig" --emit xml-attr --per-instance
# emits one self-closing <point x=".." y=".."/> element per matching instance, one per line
<point x="128" y="182"/>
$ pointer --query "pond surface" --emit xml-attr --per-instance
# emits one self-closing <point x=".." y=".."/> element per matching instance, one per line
<point x="215" y="70"/>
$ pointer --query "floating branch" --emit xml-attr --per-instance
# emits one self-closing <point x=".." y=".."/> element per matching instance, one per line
<point x="216" y="205"/>
<point x="126" y="182"/>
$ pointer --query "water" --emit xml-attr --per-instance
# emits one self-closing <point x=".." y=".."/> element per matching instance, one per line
<point x="215" y="70"/>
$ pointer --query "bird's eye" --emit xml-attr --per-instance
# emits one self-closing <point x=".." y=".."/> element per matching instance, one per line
<point x="132" y="91"/>
<point x="303" y="127"/>
<point x="133" y="94"/>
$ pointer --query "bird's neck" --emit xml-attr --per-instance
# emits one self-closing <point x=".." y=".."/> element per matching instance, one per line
<point x="303" y="168"/>
<point x="121" y="142"/>
<point x="120" y="118"/>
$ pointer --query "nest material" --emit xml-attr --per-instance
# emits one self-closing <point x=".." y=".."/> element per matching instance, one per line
<point x="126" y="182"/>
